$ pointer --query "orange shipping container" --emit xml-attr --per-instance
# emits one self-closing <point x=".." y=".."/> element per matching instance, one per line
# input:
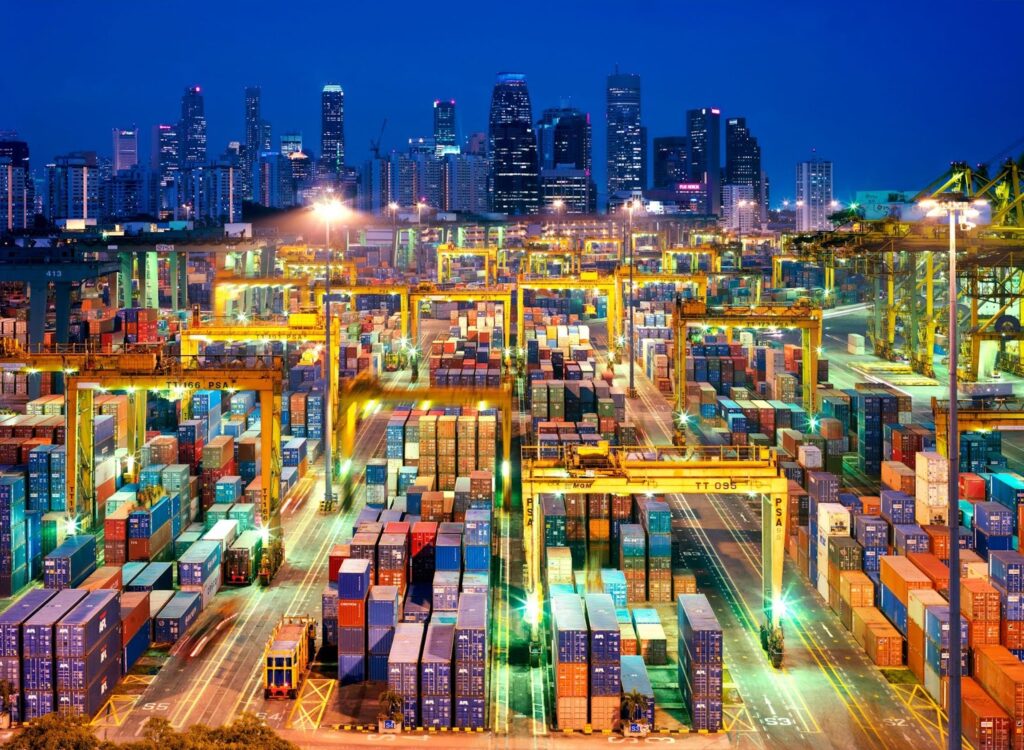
<point x="932" y="567"/>
<point x="900" y="576"/>
<point x="979" y="600"/>
<point x="915" y="650"/>
<point x="871" y="505"/>
<point x="879" y="639"/>
<point x="983" y="633"/>
<point x="571" y="680"/>
<point x="986" y="726"/>
<point x="1011" y="634"/>
<point x="107" y="577"/>
<point x="1001" y="674"/>
<point x="856" y="589"/>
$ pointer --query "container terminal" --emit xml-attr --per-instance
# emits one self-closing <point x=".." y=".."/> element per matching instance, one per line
<point x="547" y="480"/>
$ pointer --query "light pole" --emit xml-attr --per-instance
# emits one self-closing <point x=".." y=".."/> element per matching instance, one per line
<point x="393" y="210"/>
<point x="630" y="207"/>
<point x="328" y="211"/>
<point x="959" y="209"/>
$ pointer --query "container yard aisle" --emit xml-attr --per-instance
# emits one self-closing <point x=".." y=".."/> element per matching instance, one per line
<point x="822" y="662"/>
<point x="216" y="672"/>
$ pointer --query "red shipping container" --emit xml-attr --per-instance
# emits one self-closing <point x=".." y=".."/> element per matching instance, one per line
<point x="423" y="535"/>
<point x="352" y="613"/>
<point x="1011" y="634"/>
<point x="114" y="552"/>
<point x="107" y="577"/>
<point x="115" y="525"/>
<point x="972" y="487"/>
<point x="397" y="527"/>
<point x="134" y="613"/>
<point x="983" y="633"/>
<point x="338" y="554"/>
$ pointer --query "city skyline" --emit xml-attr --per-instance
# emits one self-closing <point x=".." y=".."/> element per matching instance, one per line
<point x="870" y="150"/>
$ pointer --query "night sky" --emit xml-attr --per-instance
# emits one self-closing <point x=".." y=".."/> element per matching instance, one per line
<point x="890" y="91"/>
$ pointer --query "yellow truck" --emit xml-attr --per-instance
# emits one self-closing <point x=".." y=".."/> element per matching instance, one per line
<point x="286" y="658"/>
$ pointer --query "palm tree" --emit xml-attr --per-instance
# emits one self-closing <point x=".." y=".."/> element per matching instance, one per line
<point x="6" y="691"/>
<point x="390" y="706"/>
<point x="634" y="706"/>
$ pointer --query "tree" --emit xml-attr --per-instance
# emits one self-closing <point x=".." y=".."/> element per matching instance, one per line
<point x="390" y="706"/>
<point x="634" y="706"/>
<point x="56" y="732"/>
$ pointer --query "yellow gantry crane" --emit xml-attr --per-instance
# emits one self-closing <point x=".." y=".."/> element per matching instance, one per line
<point x="737" y="470"/>
<point x="447" y="253"/>
<point x="180" y="382"/>
<point x="598" y="245"/>
<point x="712" y="252"/>
<point x="1002" y="412"/>
<point x="430" y="293"/>
<point x="363" y="390"/>
<point x="537" y="253"/>
<point x="800" y="315"/>
<point x="611" y="286"/>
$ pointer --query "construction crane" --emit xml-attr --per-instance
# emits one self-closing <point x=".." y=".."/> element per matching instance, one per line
<point x="375" y="145"/>
<point x="610" y="285"/>
<point x="447" y="253"/>
<point x="358" y="393"/>
<point x="179" y="382"/>
<point x="1004" y="412"/>
<point x="736" y="470"/>
<point x="801" y="315"/>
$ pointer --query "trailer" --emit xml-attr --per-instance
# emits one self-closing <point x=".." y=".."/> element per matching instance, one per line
<point x="286" y="658"/>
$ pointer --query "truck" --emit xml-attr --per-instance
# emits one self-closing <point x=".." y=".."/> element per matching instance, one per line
<point x="286" y="657"/>
<point x="242" y="560"/>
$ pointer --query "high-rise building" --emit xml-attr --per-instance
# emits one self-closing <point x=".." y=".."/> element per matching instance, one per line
<point x="253" y="138"/>
<point x="213" y="191"/>
<point x="291" y="143"/>
<point x="73" y="187"/>
<point x="476" y="144"/>
<point x="192" y="128"/>
<point x="705" y="133"/>
<point x="465" y="183"/>
<point x="740" y="208"/>
<point x="671" y="161"/>
<point x="564" y="138"/>
<point x="627" y="148"/>
<point x="17" y="190"/>
<point x="332" y="128"/>
<point x="813" y="195"/>
<point x="444" y="127"/>
<point x="124" y="194"/>
<point x="164" y="170"/>
<point x="513" y="148"/>
<point x="743" y="162"/>
<point x="126" y="148"/>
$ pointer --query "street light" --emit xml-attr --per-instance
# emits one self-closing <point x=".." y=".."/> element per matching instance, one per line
<point x="393" y="210"/>
<point x="959" y="209"/>
<point x="328" y="211"/>
<point x="558" y="205"/>
<point x="420" y="205"/>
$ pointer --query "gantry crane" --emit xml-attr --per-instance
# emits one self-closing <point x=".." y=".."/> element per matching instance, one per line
<point x="991" y="414"/>
<point x="298" y="328"/>
<point x="738" y="470"/>
<point x="354" y="291"/>
<point x="355" y="394"/>
<point x="430" y="293"/>
<point x="800" y="315"/>
<point x="596" y="245"/>
<point x="69" y="359"/>
<point x="611" y="286"/>
<point x="447" y="253"/>
<point x="179" y="381"/>
<point x="712" y="252"/>
<point x="537" y="253"/>
<point x="226" y="288"/>
<point x="698" y="280"/>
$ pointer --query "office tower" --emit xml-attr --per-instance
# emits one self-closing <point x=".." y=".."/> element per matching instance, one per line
<point x="704" y="131"/>
<point x="513" y="148"/>
<point x="332" y="128"/>
<point x="213" y="191"/>
<point x="73" y="187"/>
<point x="17" y="190"/>
<point x="564" y="137"/>
<point x="126" y="148"/>
<point x="671" y="161"/>
<point x="291" y="143"/>
<point x="253" y="138"/>
<point x="444" y="127"/>
<point x="740" y="208"/>
<point x="164" y="169"/>
<point x="743" y="161"/>
<point x="192" y="128"/>
<point x="627" y="150"/>
<point x="813" y="195"/>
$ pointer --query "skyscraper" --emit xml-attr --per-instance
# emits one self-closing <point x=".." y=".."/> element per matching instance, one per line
<point x="17" y="191"/>
<point x="126" y="148"/>
<point x="332" y="128"/>
<point x="164" y="171"/>
<point x="813" y="195"/>
<point x="192" y="128"/>
<point x="705" y="133"/>
<point x="743" y="162"/>
<point x="73" y="187"/>
<point x="291" y="143"/>
<point x="444" y="127"/>
<point x="253" y="138"/>
<point x="513" y="148"/>
<point x="671" y="161"/>
<point x="564" y="137"/>
<point x="627" y="150"/>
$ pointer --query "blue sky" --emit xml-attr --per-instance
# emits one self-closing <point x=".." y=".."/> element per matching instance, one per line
<point x="891" y="91"/>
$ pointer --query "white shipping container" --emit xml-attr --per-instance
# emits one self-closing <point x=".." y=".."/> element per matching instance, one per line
<point x="932" y="466"/>
<point x="559" y="565"/>
<point x="917" y="600"/>
<point x="809" y="456"/>
<point x="930" y="515"/>
<point x="823" y="585"/>
<point x="854" y="343"/>
<point x="833" y="520"/>
<point x="412" y="451"/>
<point x="376" y="494"/>
<point x="931" y="493"/>
<point x="105" y="470"/>
<point x="224" y="531"/>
